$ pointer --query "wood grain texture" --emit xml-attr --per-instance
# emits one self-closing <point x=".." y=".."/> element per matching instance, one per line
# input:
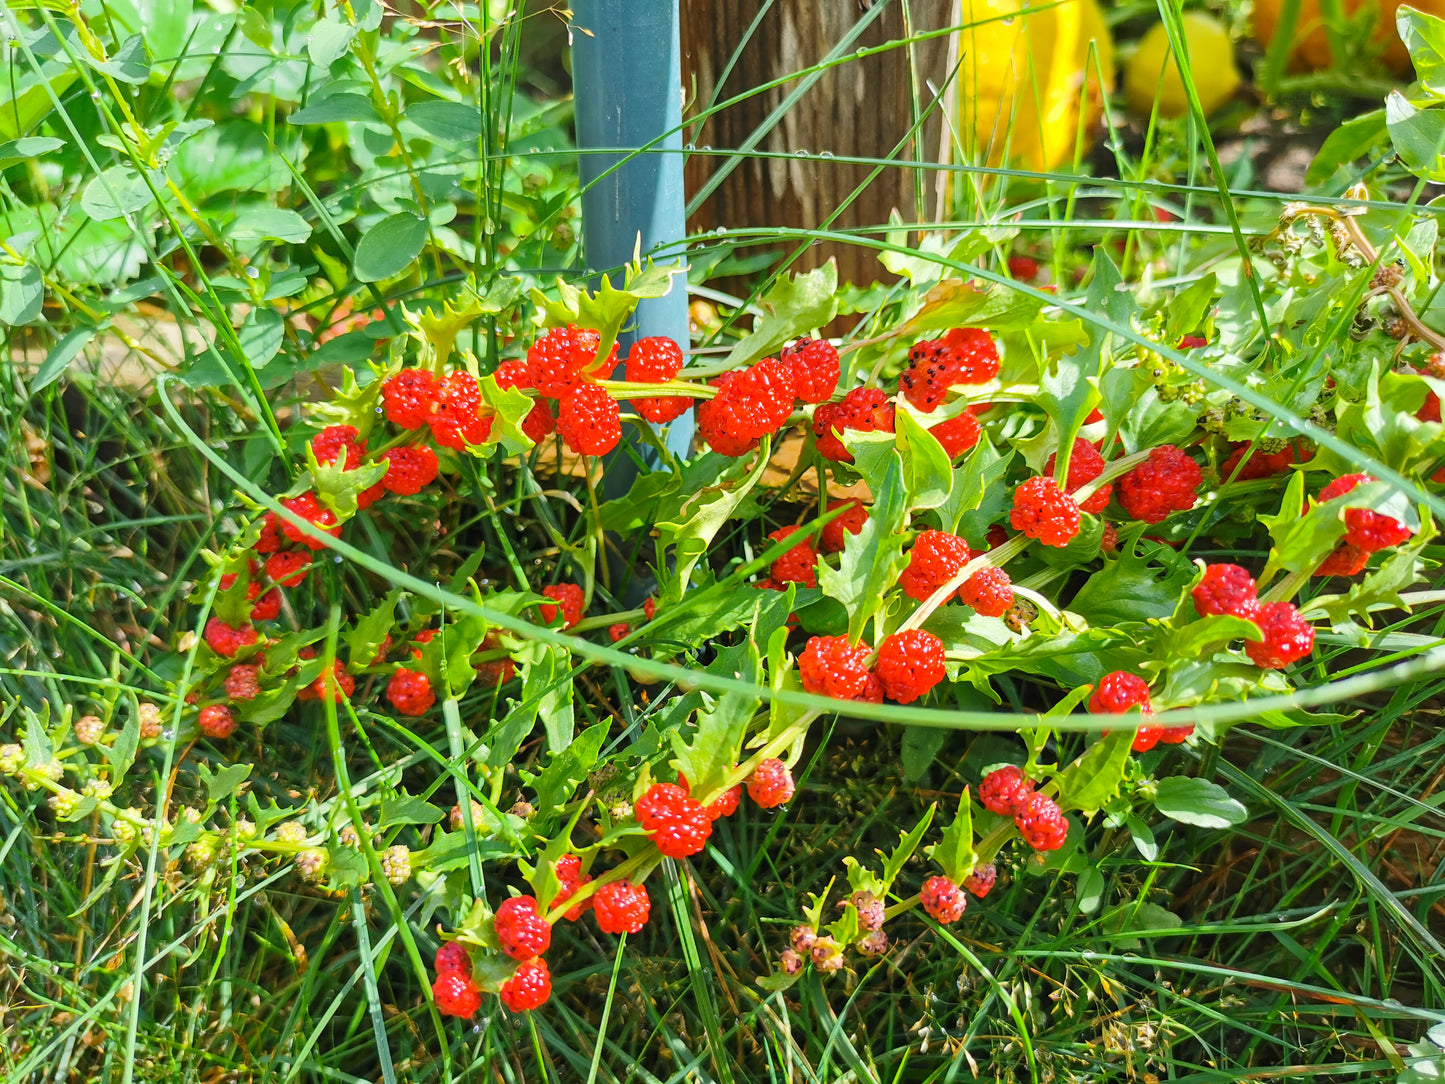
<point x="863" y="107"/>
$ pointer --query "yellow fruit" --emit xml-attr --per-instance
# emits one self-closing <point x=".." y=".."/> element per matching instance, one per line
<point x="1311" y="43"/>
<point x="1023" y="76"/>
<point x="1211" y="60"/>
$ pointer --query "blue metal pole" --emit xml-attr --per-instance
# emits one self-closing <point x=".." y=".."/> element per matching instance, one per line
<point x="627" y="92"/>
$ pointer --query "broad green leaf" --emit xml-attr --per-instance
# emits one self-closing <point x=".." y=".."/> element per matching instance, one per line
<point x="1424" y="39"/>
<point x="15" y="151"/>
<point x="128" y="65"/>
<point x="166" y="25"/>
<point x="338" y="107"/>
<point x="1418" y="136"/>
<point x="268" y="224"/>
<point x="22" y="293"/>
<point x="389" y="247"/>
<point x="974" y="480"/>
<point x="1356" y="138"/>
<point x="1089" y="891"/>
<point x="260" y="336"/>
<point x="329" y="39"/>
<point x="794" y="306"/>
<point x="1122" y="924"/>
<point x="956" y="303"/>
<point x="1089" y="783"/>
<point x="115" y="193"/>
<point x="449" y="122"/>
<point x="1144" y="581"/>
<point x="1198" y="802"/>
<point x="921" y="745"/>
<point x="365" y="639"/>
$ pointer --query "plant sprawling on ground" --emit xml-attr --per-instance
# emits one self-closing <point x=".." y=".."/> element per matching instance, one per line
<point x="1033" y="681"/>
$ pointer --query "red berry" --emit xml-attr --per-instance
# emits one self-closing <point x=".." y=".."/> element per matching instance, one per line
<point x="308" y="508"/>
<point x="539" y="422"/>
<point x="590" y="421"/>
<point x="977" y="352"/>
<point x="268" y="605"/>
<point x="659" y="804"/>
<point x="656" y="360"/>
<point x="935" y="559"/>
<point x="410" y="692"/>
<point x="797" y="565"/>
<point x="1085" y="464"/>
<point x="335" y="686"/>
<point x="1226" y="589"/>
<point x="989" y="591"/>
<point x="288" y="569"/>
<point x="271" y="538"/>
<point x="1175" y="735"/>
<point x="1343" y="560"/>
<point x="981" y="881"/>
<point x="618" y="631"/>
<point x="1287" y="636"/>
<point x="565" y="358"/>
<point x="1043" y="511"/>
<point x="521" y="931"/>
<point x="1145" y="738"/>
<point x="243" y="681"/>
<point x="225" y="639"/>
<point x="726" y="804"/>
<point x="1003" y="790"/>
<point x="529" y="987"/>
<point x="830" y="666"/>
<point x="649" y="608"/>
<point x="1261" y="464"/>
<point x="621" y="907"/>
<point x="835" y="535"/>
<point x="684" y="833"/>
<point x="910" y="664"/>
<point x="863" y="410"/>
<point x="216" y="721"/>
<point x="760" y="397"/>
<point x="942" y="900"/>
<point x="408" y="469"/>
<point x="455" y="995"/>
<point x="409" y="397"/>
<point x="957" y="435"/>
<point x="335" y="442"/>
<point x="1365" y="529"/>
<point x="453" y="956"/>
<point x="461" y="417"/>
<point x="569" y="879"/>
<point x="771" y="783"/>
<point x="815" y="368"/>
<point x="718" y="423"/>
<point x="1041" y="822"/>
<point x="569" y="597"/>
<point x="1023" y="268"/>
<point x="1119" y="691"/>
<point x="1164" y="483"/>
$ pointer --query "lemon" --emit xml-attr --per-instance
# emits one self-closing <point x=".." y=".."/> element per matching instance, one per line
<point x="1026" y="75"/>
<point x="1211" y="59"/>
<point x="1310" y="44"/>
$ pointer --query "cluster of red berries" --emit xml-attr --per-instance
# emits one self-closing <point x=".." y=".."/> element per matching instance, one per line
<point x="1366" y="531"/>
<point x="937" y="557"/>
<point x="1119" y="691"/>
<point x="907" y="666"/>
<point x="1229" y="589"/>
<point x="756" y="401"/>
<point x="1040" y="821"/>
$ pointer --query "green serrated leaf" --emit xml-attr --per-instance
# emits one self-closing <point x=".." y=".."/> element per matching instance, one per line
<point x="558" y="781"/>
<point x="1089" y="783"/>
<point x="927" y="471"/>
<point x="711" y="751"/>
<point x="403" y="808"/>
<point x="907" y="844"/>
<point x="954" y="853"/>
<point x="872" y="559"/>
<point x="222" y="784"/>
<point x="794" y="306"/>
